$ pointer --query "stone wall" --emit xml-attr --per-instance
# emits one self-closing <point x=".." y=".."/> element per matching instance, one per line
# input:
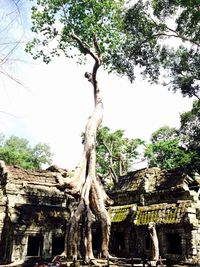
<point x="33" y="213"/>
<point x="170" y="199"/>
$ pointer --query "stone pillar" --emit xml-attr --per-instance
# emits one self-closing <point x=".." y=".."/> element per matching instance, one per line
<point x="47" y="245"/>
<point x="19" y="247"/>
<point x="194" y="243"/>
<point x="24" y="243"/>
<point x="16" y="250"/>
<point x="198" y="243"/>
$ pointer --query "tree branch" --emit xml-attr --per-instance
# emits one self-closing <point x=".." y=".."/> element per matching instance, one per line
<point x="2" y="61"/>
<point x="85" y="47"/>
<point x="87" y="50"/>
<point x="91" y="77"/>
<point x="175" y="34"/>
<point x="111" y="165"/>
<point x="10" y="76"/>
<point x="96" y="45"/>
<point x="7" y="113"/>
<point x="182" y="37"/>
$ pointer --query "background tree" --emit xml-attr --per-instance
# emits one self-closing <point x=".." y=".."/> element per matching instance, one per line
<point x="163" y="38"/>
<point x="190" y="134"/>
<point x="80" y="28"/>
<point x="167" y="151"/>
<point x="17" y="151"/>
<point x="115" y="153"/>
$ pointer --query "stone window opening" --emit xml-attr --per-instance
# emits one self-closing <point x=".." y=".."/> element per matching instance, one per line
<point x="35" y="245"/>
<point x="58" y="243"/>
<point x="174" y="243"/>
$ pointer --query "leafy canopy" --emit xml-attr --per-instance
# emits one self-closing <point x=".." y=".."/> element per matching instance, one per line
<point x="165" y="150"/>
<point x="115" y="152"/>
<point x="17" y="151"/>
<point x="62" y="25"/>
<point x="190" y="133"/>
<point x="190" y="126"/>
<point x="163" y="38"/>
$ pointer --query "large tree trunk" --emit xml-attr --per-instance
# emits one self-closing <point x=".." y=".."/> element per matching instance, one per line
<point x="86" y="184"/>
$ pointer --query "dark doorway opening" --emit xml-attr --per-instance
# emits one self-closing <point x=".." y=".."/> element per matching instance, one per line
<point x="174" y="244"/>
<point x="35" y="245"/>
<point x="96" y="241"/>
<point x="118" y="243"/>
<point x="58" y="243"/>
<point x="147" y="242"/>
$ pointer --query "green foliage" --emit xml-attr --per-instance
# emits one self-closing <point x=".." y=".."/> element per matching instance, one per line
<point x="96" y="23"/>
<point x="115" y="152"/>
<point x="163" y="38"/>
<point x="167" y="151"/>
<point x="190" y="133"/>
<point x="17" y="151"/>
<point x="172" y="148"/>
<point x="165" y="133"/>
<point x="190" y="126"/>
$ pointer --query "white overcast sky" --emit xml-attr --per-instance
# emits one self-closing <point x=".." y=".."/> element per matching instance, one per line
<point x="57" y="100"/>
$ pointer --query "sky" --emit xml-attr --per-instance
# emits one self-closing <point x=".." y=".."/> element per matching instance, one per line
<point x="56" y="100"/>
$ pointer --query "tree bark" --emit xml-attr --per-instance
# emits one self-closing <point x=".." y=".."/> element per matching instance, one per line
<point x="85" y="182"/>
<point x="155" y="244"/>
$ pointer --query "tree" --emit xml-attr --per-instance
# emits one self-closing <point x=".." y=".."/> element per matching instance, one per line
<point x="11" y="35"/>
<point x="155" y="243"/>
<point x="115" y="153"/>
<point x="163" y="38"/>
<point x="164" y="133"/>
<point x="190" y="133"/>
<point x="17" y="151"/>
<point x="80" y="28"/>
<point x="167" y="151"/>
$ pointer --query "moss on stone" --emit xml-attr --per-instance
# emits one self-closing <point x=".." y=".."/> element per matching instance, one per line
<point x="120" y="213"/>
<point x="161" y="214"/>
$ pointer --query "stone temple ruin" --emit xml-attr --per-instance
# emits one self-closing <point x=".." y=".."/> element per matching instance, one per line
<point x="34" y="213"/>
<point x="168" y="198"/>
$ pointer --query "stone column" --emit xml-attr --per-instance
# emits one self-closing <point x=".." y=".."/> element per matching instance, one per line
<point x="47" y="245"/>
<point x="24" y="244"/>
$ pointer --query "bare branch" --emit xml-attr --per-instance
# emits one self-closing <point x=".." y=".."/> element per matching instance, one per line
<point x="140" y="161"/>
<point x="11" y="77"/>
<point x="8" y="113"/>
<point x="196" y="96"/>
<point x="11" y="51"/>
<point x="10" y="46"/>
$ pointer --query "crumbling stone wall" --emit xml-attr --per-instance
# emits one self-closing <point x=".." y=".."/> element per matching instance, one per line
<point x="31" y="205"/>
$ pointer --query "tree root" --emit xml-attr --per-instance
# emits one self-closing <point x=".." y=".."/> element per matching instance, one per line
<point x="60" y="257"/>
